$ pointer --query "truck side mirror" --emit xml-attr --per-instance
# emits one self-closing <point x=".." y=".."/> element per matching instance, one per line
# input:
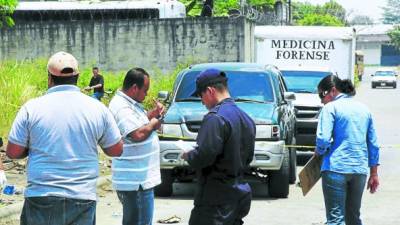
<point x="163" y="95"/>
<point x="372" y="75"/>
<point x="289" y="96"/>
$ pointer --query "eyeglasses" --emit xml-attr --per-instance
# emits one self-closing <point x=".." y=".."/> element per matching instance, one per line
<point x="322" y="94"/>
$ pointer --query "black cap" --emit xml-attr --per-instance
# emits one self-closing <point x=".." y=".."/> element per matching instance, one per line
<point x="208" y="77"/>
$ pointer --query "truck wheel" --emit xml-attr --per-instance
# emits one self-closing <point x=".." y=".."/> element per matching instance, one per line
<point x="293" y="165"/>
<point x="394" y="85"/>
<point x="165" y="188"/>
<point x="278" y="181"/>
<point x="372" y="85"/>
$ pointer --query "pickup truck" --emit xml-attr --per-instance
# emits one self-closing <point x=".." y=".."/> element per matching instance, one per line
<point x="260" y="91"/>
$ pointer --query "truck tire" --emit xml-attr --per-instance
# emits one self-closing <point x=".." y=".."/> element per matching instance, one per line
<point x="292" y="165"/>
<point x="278" y="181"/>
<point x="165" y="188"/>
<point x="394" y="85"/>
<point x="372" y="85"/>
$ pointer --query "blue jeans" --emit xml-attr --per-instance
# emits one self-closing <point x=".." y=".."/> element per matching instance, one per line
<point x="343" y="194"/>
<point x="97" y="95"/>
<point x="138" y="206"/>
<point x="58" y="211"/>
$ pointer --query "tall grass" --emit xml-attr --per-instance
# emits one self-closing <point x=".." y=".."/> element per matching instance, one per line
<point x="21" y="81"/>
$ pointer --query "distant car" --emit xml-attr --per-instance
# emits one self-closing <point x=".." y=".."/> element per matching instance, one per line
<point x="384" y="78"/>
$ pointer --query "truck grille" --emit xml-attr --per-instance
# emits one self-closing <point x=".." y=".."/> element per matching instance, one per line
<point x="193" y="126"/>
<point x="305" y="112"/>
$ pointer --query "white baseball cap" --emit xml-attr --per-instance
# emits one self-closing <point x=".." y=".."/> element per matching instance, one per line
<point x="61" y="61"/>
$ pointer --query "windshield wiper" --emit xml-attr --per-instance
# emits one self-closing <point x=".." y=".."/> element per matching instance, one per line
<point x="188" y="100"/>
<point x="303" y="91"/>
<point x="248" y="100"/>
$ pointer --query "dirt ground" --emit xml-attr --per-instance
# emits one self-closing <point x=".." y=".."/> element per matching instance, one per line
<point x="16" y="175"/>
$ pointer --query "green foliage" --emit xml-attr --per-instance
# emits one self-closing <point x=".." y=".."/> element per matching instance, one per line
<point x="320" y="20"/>
<point x="222" y="7"/>
<point x="7" y="8"/>
<point x="391" y="12"/>
<point x="21" y="81"/>
<point x="329" y="14"/>
<point x="394" y="35"/>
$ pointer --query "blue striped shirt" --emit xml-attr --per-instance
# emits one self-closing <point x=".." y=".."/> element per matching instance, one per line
<point x="346" y="137"/>
<point x="139" y="164"/>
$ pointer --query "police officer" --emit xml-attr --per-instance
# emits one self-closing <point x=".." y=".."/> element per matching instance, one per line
<point x="225" y="147"/>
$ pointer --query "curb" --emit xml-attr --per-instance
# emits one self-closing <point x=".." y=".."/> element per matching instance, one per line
<point x="13" y="209"/>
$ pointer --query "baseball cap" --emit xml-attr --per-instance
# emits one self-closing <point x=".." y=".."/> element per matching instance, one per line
<point x="208" y="77"/>
<point x="59" y="62"/>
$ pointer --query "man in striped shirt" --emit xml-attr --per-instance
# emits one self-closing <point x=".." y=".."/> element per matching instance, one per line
<point x="137" y="171"/>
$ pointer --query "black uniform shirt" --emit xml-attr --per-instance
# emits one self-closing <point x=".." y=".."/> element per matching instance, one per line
<point x="225" y="149"/>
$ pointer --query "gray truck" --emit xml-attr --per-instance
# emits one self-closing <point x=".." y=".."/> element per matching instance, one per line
<point x="257" y="89"/>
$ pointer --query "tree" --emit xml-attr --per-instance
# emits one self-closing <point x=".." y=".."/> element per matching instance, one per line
<point x="6" y="10"/>
<point x="320" y="20"/>
<point x="391" y="12"/>
<point x="222" y="7"/>
<point x="361" y="20"/>
<point x="328" y="14"/>
<point x="394" y="35"/>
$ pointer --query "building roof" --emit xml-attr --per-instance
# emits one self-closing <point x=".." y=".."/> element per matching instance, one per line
<point x="93" y="5"/>
<point x="373" y="33"/>
<point x="373" y="29"/>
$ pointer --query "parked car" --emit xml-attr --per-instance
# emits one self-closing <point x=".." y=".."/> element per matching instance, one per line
<point x="258" y="90"/>
<point x="384" y="78"/>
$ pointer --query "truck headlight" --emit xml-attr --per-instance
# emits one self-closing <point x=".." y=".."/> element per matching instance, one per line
<point x="173" y="130"/>
<point x="267" y="131"/>
<point x="263" y="131"/>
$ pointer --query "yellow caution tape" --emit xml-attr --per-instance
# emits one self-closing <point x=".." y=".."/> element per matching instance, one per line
<point x="286" y="146"/>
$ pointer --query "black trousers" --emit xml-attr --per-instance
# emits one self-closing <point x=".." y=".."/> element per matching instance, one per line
<point x="224" y="214"/>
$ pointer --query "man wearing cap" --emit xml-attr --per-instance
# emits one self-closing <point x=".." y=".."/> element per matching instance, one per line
<point x="225" y="148"/>
<point x="59" y="131"/>
<point x="137" y="171"/>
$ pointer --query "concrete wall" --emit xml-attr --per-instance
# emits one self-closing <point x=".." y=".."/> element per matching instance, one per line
<point x="121" y="44"/>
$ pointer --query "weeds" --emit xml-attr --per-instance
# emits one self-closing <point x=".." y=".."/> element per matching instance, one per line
<point x="21" y="81"/>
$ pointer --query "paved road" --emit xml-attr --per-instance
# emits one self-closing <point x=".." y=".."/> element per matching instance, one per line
<point x="382" y="208"/>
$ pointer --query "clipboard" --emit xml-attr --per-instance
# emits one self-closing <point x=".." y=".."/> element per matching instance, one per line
<point x="310" y="174"/>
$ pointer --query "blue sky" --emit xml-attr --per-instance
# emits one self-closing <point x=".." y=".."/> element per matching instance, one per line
<point x="370" y="8"/>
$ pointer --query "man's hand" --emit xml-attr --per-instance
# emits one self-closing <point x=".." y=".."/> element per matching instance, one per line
<point x="373" y="183"/>
<point x="159" y="108"/>
<point x="3" y="179"/>
<point x="156" y="123"/>
<point x="185" y="156"/>
<point x="88" y="88"/>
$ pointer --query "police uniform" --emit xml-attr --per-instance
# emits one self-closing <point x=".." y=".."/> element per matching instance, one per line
<point x="225" y="149"/>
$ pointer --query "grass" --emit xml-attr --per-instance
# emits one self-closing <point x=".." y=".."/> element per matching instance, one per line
<point x="21" y="81"/>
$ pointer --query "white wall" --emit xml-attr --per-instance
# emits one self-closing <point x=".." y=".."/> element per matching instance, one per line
<point x="372" y="52"/>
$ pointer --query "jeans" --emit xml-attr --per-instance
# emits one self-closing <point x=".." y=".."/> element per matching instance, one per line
<point x="226" y="214"/>
<point x="58" y="211"/>
<point x="343" y="194"/>
<point x="97" y="95"/>
<point x="138" y="206"/>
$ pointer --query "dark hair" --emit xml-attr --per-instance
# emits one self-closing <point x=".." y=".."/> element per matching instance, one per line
<point x="134" y="76"/>
<point x="219" y="85"/>
<point x="57" y="80"/>
<point x="343" y="86"/>
<point x="95" y="68"/>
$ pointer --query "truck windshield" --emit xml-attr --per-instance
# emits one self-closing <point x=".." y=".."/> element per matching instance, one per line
<point x="303" y="81"/>
<point x="244" y="86"/>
